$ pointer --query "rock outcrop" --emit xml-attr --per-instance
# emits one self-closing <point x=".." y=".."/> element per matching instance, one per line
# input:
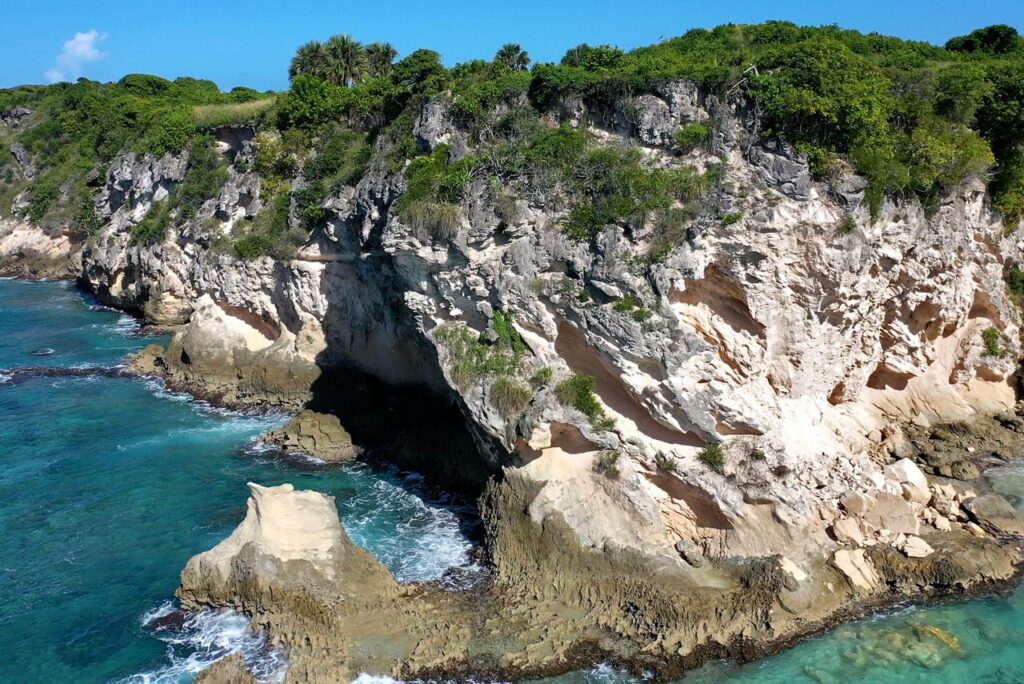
<point x="554" y="605"/>
<point x="320" y="435"/>
<point x="766" y="383"/>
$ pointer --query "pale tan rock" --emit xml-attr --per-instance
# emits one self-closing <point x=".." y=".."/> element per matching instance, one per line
<point x="915" y="547"/>
<point x="893" y="513"/>
<point x="975" y="529"/>
<point x="859" y="570"/>
<point x="851" y="530"/>
<point x="792" y="569"/>
<point x="913" y="482"/>
<point x="942" y="523"/>
<point x="857" y="503"/>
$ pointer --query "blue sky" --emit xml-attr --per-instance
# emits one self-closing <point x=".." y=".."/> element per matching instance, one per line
<point x="250" y="43"/>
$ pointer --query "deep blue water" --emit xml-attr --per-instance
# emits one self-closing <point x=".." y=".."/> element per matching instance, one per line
<point x="109" y="485"/>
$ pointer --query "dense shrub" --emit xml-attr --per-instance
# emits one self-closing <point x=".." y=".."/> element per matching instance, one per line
<point x="577" y="391"/>
<point x="713" y="457"/>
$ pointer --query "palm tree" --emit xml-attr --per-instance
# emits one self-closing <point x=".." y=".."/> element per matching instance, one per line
<point x="379" y="57"/>
<point x="512" y="56"/>
<point x="309" y="59"/>
<point x="347" y="60"/>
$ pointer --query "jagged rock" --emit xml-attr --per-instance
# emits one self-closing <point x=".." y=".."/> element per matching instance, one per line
<point x="852" y="530"/>
<point x="915" y="485"/>
<point x="689" y="553"/>
<point x="858" y="569"/>
<point x="857" y="503"/>
<point x="320" y="435"/>
<point x="781" y="167"/>
<point x="24" y="160"/>
<point x="290" y="543"/>
<point x="964" y="470"/>
<point x="995" y="514"/>
<point x="228" y="670"/>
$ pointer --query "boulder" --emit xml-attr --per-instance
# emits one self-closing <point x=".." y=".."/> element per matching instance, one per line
<point x="857" y="568"/>
<point x="995" y="515"/>
<point x="915" y="547"/>
<point x="851" y="530"/>
<point x="320" y="435"/>
<point x="964" y="470"/>
<point x="893" y="513"/>
<point x="857" y="503"/>
<point x="291" y="546"/>
<point x="912" y="481"/>
<point x="690" y="553"/>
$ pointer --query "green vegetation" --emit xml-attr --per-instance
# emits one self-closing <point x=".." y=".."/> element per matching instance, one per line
<point x="607" y="463"/>
<point x="713" y="457"/>
<point x="213" y="115"/>
<point x="691" y="135"/>
<point x="993" y="341"/>
<point x="916" y="119"/>
<point x="473" y="358"/>
<point x="544" y="375"/>
<point x="577" y="391"/>
<point x="429" y="203"/>
<point x="634" y="307"/>
<point x="1015" y="281"/>
<point x="665" y="463"/>
<point x="509" y="397"/>
<point x="78" y="127"/>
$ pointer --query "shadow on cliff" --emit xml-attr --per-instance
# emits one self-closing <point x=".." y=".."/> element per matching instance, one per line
<point x="414" y="422"/>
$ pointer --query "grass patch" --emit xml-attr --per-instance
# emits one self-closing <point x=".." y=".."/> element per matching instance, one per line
<point x="212" y="115"/>
<point x="437" y="220"/>
<point x="713" y="457"/>
<point x="993" y="342"/>
<point x="509" y="397"/>
<point x="472" y="358"/>
<point x="577" y="391"/>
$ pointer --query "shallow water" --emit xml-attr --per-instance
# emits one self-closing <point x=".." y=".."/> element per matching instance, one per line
<point x="109" y="485"/>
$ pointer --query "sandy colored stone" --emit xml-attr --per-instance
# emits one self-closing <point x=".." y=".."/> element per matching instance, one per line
<point x="857" y="568"/>
<point x="915" y="547"/>
<point x="892" y="513"/>
<point x="914" y="483"/>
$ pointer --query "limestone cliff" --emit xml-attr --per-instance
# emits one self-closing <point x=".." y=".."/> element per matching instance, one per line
<point x="785" y="325"/>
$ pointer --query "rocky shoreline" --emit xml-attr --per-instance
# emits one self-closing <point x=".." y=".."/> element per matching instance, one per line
<point x="686" y="445"/>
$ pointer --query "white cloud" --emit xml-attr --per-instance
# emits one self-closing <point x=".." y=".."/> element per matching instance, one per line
<point x="79" y="51"/>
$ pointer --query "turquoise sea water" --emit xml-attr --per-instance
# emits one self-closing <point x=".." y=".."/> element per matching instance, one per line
<point x="109" y="484"/>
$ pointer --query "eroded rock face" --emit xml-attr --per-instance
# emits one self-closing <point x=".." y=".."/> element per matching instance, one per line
<point x="291" y="544"/>
<point x="802" y="336"/>
<point x="29" y="251"/>
<point x="290" y="565"/>
<point x="320" y="435"/>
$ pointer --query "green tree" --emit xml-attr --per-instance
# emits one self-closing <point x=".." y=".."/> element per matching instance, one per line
<point x="593" y="58"/>
<point x="310" y="59"/>
<point x="346" y="60"/>
<point x="994" y="40"/>
<point x="512" y="56"/>
<point x="379" y="58"/>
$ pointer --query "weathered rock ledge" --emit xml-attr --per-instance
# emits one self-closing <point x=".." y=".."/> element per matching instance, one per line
<point x="291" y="566"/>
